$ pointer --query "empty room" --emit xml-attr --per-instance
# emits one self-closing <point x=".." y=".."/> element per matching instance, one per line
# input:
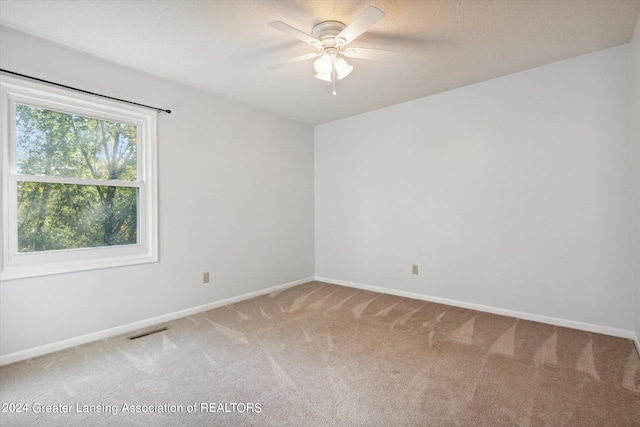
<point x="320" y="213"/>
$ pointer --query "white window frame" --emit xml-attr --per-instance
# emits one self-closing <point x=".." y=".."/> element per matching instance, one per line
<point x="16" y="265"/>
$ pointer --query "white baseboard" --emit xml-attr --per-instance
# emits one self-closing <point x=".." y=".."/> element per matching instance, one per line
<point x="636" y="341"/>
<point x="95" y="336"/>
<point x="606" y="330"/>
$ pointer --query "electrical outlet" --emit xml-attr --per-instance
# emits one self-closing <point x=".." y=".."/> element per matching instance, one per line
<point x="205" y="277"/>
<point x="414" y="269"/>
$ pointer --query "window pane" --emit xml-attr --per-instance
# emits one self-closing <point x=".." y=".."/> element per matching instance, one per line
<point x="67" y="216"/>
<point x="53" y="143"/>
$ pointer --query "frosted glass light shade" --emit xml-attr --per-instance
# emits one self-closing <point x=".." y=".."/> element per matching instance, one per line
<point x="323" y="65"/>
<point x="343" y="68"/>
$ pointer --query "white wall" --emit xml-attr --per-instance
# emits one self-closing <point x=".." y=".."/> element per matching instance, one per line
<point x="235" y="199"/>
<point x="513" y="194"/>
<point x="634" y="73"/>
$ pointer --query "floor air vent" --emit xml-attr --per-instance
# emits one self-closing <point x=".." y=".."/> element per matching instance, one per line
<point x="144" y="334"/>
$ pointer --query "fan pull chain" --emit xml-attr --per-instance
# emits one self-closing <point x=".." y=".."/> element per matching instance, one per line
<point x="333" y="79"/>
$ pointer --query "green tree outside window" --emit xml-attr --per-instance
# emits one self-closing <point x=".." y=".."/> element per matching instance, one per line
<point x="54" y="216"/>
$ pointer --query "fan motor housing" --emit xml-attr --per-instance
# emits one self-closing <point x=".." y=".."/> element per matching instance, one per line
<point x="327" y="31"/>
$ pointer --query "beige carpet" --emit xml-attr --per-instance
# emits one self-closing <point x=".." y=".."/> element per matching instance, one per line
<point x="325" y="355"/>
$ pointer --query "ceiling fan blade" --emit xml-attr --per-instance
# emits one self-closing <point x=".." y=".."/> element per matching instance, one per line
<point x="362" y="53"/>
<point x="288" y="29"/>
<point x="294" y="60"/>
<point x="362" y="23"/>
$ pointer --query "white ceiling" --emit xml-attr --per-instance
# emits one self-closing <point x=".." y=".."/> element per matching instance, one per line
<point x="224" y="46"/>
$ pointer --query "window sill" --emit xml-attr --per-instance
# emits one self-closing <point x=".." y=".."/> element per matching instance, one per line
<point x="24" y="270"/>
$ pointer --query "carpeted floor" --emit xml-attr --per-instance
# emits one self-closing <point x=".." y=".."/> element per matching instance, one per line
<point x="326" y="355"/>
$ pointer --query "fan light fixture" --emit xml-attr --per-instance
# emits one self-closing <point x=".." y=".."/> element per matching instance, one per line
<point x="329" y="67"/>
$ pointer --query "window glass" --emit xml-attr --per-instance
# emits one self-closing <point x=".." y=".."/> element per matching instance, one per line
<point x="69" y="216"/>
<point x="53" y="143"/>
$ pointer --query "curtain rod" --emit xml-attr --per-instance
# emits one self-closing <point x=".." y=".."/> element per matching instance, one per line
<point x="160" y="110"/>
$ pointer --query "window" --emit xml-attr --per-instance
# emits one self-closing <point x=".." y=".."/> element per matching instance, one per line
<point x="78" y="182"/>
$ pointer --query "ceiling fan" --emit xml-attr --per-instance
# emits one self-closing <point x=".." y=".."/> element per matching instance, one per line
<point x="331" y="38"/>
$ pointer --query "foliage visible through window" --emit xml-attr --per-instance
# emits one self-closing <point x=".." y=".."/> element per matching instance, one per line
<point x="74" y="213"/>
